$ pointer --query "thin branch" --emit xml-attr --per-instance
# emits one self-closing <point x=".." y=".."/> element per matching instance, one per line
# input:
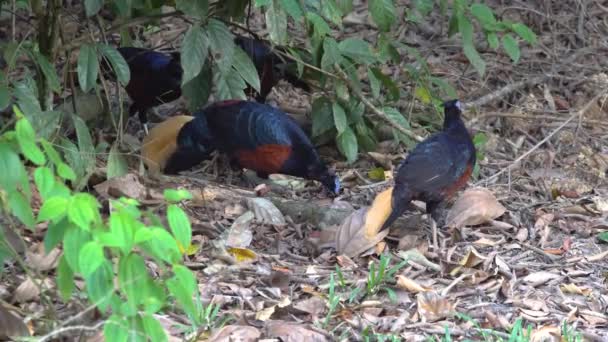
<point x="580" y="112"/>
<point x="509" y="88"/>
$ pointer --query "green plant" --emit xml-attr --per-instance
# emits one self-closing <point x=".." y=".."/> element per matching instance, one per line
<point x="376" y="279"/>
<point x="334" y="300"/>
<point x="102" y="252"/>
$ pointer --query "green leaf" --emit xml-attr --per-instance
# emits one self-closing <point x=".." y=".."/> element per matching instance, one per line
<point x="484" y="16"/>
<point x="339" y="117"/>
<point x="475" y="59"/>
<point x="100" y="285"/>
<point x="55" y="233"/>
<point x="73" y="240"/>
<point x="347" y="144"/>
<point x="163" y="246"/>
<point x="65" y="279"/>
<point x="182" y="286"/>
<point x="154" y="330"/>
<point x="5" y="96"/>
<point x="603" y="237"/>
<point x="222" y="44"/>
<point x="122" y="231"/>
<point x="92" y="6"/>
<point x="90" y="258"/>
<point x="320" y="27"/>
<point x="229" y="86"/>
<point x="357" y="49"/>
<point x="511" y="46"/>
<point x="120" y="66"/>
<point x="49" y="72"/>
<point x="180" y="225"/>
<point x="11" y="168"/>
<point x="292" y="7"/>
<point x="45" y="181"/>
<point x="50" y="152"/>
<point x="132" y="277"/>
<point x="245" y="67"/>
<point x="322" y="116"/>
<point x="83" y="210"/>
<point x="88" y="67"/>
<point x="85" y="142"/>
<point x="198" y="90"/>
<point x="331" y="54"/>
<point x="20" y="207"/>
<point x="374" y="83"/>
<point x="53" y="209"/>
<point x="27" y="141"/>
<point x="195" y="48"/>
<point x="522" y="30"/>
<point x="396" y="116"/>
<point x="197" y="8"/>
<point x="388" y="83"/>
<point x="383" y="12"/>
<point x="115" y="328"/>
<point x="276" y="23"/>
<point x="117" y="164"/>
<point x="172" y="195"/>
<point x="493" y="40"/>
<point x="66" y="172"/>
<point x="330" y="10"/>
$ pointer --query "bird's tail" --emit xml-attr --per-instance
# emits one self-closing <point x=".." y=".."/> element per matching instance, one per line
<point x="401" y="198"/>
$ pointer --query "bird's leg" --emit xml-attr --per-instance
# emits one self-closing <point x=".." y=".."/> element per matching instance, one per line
<point x="143" y="118"/>
<point x="435" y="209"/>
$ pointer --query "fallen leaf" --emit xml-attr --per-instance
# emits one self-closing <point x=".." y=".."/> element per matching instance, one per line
<point x="11" y="325"/>
<point x="292" y="332"/>
<point x="376" y="174"/>
<point x="485" y="242"/>
<point x="539" y="278"/>
<point x="599" y="256"/>
<point x="242" y="254"/>
<point x="265" y="211"/>
<point x="433" y="307"/>
<point x="360" y="231"/>
<point x="345" y="262"/>
<point x="127" y="186"/>
<point x="472" y="258"/>
<point x="39" y="260"/>
<point x="546" y="334"/>
<point x="419" y="258"/>
<point x="572" y="288"/>
<point x="241" y="333"/>
<point x="26" y="291"/>
<point x="475" y="206"/>
<point x="314" y="306"/>
<point x="410" y="285"/>
<point x="239" y="234"/>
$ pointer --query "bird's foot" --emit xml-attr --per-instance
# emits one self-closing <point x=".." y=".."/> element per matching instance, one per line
<point x="253" y="180"/>
<point x="146" y="131"/>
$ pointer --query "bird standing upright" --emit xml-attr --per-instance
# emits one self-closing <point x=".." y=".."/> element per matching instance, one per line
<point x="155" y="79"/>
<point x="437" y="167"/>
<point x="256" y="136"/>
<point x="270" y="66"/>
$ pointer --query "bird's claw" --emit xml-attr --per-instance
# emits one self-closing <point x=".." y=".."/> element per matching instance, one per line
<point x="146" y="128"/>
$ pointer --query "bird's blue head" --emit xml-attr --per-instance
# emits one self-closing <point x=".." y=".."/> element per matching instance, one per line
<point x="326" y="176"/>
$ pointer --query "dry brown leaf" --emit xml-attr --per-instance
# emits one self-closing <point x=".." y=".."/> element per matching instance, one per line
<point x="292" y="332"/>
<point x="472" y="258"/>
<point x="315" y="306"/>
<point x="533" y="314"/>
<point x="239" y="234"/>
<point x="433" y="307"/>
<point x="572" y="288"/>
<point x="11" y="325"/>
<point x="345" y="262"/>
<point x="26" y="292"/>
<point x="485" y="242"/>
<point x="265" y="314"/>
<point x="598" y="257"/>
<point x="41" y="261"/>
<point x="475" y="206"/>
<point x="410" y="285"/>
<point x="127" y="185"/>
<point x="546" y="333"/>
<point x="241" y="333"/>
<point x="265" y="211"/>
<point x="361" y="229"/>
<point x="539" y="278"/>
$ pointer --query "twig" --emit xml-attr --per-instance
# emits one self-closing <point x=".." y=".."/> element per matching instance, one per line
<point x="540" y="143"/>
<point x="64" y="330"/>
<point x="381" y="114"/>
<point x="509" y="88"/>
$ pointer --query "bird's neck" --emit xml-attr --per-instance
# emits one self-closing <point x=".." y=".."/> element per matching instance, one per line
<point x="453" y="125"/>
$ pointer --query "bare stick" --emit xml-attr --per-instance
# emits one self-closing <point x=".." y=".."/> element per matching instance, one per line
<point x="540" y="143"/>
<point x="509" y="88"/>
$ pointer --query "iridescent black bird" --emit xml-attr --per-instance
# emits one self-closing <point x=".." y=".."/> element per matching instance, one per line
<point x="436" y="168"/>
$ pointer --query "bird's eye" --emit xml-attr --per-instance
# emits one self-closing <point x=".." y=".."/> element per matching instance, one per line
<point x="336" y="185"/>
<point x="458" y="105"/>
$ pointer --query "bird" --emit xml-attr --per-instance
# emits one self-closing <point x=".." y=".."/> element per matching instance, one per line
<point x="436" y="168"/>
<point x="156" y="78"/>
<point x="254" y="135"/>
<point x="270" y="65"/>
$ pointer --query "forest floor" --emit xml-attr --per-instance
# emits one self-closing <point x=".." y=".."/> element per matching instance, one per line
<point x="540" y="264"/>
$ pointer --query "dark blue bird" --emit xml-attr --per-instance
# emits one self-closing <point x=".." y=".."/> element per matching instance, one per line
<point x="436" y="168"/>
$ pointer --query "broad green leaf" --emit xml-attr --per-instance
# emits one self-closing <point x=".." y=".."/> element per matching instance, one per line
<point x="357" y="49"/>
<point x="90" y="258"/>
<point x="339" y="117"/>
<point x="292" y="7"/>
<point x="198" y="90"/>
<point x="11" y="168"/>
<point x="276" y="23"/>
<point x="55" y="233"/>
<point x="195" y="48"/>
<point x="53" y="209"/>
<point x="374" y="83"/>
<point x="92" y="7"/>
<point x="222" y="44"/>
<point x="65" y="279"/>
<point x="347" y="144"/>
<point x="85" y="143"/>
<point x="180" y="225"/>
<point x="50" y="152"/>
<point x="5" y="96"/>
<point x="122" y="231"/>
<point x="523" y="31"/>
<point x="88" y="67"/>
<point x="423" y="94"/>
<point x="154" y="330"/>
<point x="20" y="207"/>
<point x="27" y="141"/>
<point x="484" y="15"/>
<point x="475" y="59"/>
<point x="466" y="29"/>
<point x="330" y="10"/>
<point x="197" y="8"/>
<point x="66" y="172"/>
<point x="396" y="116"/>
<point x="100" y="285"/>
<point x="49" y="72"/>
<point x="331" y="54"/>
<point x="120" y="66"/>
<point x="172" y="195"/>
<point x="345" y="6"/>
<point x="132" y="277"/>
<point x="493" y="40"/>
<point x="115" y="328"/>
<point x="229" y="85"/>
<point x="603" y="237"/>
<point x="83" y="210"/>
<point x="73" y="240"/>
<point x="511" y="46"/>
<point x="182" y="286"/>
<point x="383" y="12"/>
<point x="320" y="27"/>
<point x="45" y="181"/>
<point x="245" y="67"/>
<point x="163" y="246"/>
<point x="388" y="83"/>
<point x="322" y="116"/>
<point x="117" y="164"/>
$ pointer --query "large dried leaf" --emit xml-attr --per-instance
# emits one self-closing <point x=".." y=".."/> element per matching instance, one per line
<point x="265" y="211"/>
<point x="26" y="291"/>
<point x="360" y="230"/>
<point x="239" y="234"/>
<point x="241" y="333"/>
<point x="475" y="206"/>
<point x="410" y="285"/>
<point x="11" y="325"/>
<point x="433" y="307"/>
<point x="292" y="332"/>
<point x="40" y="260"/>
<point x="127" y="185"/>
